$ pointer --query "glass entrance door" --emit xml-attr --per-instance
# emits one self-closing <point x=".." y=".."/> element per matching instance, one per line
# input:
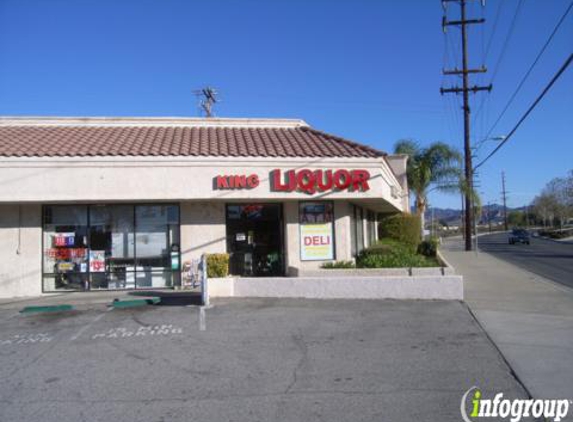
<point x="255" y="239"/>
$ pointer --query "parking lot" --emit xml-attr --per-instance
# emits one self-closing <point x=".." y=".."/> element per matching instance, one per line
<point x="247" y="360"/>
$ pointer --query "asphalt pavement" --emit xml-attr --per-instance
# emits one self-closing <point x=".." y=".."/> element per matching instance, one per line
<point x="248" y="360"/>
<point x="547" y="258"/>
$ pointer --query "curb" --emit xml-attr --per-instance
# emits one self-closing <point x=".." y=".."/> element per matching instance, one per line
<point x="502" y="356"/>
<point x="43" y="309"/>
<point x="133" y="303"/>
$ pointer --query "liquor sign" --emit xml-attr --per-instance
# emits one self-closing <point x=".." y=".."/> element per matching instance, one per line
<point x="312" y="181"/>
<point x="316" y="242"/>
<point x="303" y="180"/>
<point x="236" y="181"/>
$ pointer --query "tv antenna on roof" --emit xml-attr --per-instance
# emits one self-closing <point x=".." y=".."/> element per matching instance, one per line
<point x="207" y="97"/>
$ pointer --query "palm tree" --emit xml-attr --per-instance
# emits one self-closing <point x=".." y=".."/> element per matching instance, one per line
<point x="436" y="167"/>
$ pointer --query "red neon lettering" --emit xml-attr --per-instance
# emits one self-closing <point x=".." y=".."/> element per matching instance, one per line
<point x="221" y="182"/>
<point x="360" y="180"/>
<point x="321" y="183"/>
<point x="253" y="181"/>
<point x="238" y="182"/>
<point x="306" y="181"/>
<point x="342" y="179"/>
<point x="290" y="182"/>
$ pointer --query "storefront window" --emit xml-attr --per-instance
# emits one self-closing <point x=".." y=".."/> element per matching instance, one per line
<point x="316" y="231"/>
<point x="157" y="239"/>
<point x="112" y="251"/>
<point x="65" y="247"/>
<point x="111" y="247"/>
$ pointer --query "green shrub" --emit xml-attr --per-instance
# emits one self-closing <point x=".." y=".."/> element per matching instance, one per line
<point x="390" y="253"/>
<point x="404" y="228"/>
<point x="217" y="265"/>
<point x="556" y="234"/>
<point x="428" y="247"/>
<point x="338" y="264"/>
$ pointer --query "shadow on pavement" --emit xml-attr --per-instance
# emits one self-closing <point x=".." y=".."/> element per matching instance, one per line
<point x="172" y="298"/>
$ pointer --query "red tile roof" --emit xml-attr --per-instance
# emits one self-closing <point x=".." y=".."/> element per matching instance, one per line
<point x="193" y="137"/>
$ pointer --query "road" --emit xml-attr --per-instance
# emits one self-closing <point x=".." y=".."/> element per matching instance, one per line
<point x="549" y="259"/>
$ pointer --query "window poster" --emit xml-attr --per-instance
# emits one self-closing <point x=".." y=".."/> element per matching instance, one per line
<point x="63" y="239"/>
<point x="97" y="261"/>
<point x="316" y="231"/>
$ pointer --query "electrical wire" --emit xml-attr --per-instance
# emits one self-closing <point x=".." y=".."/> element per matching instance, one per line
<point x="506" y="41"/>
<point x="508" y="36"/>
<point x="520" y="85"/>
<point x="496" y="20"/>
<point x="510" y="134"/>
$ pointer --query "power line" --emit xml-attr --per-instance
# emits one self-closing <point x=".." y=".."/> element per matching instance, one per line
<point x="508" y="137"/>
<point x="494" y="27"/>
<point x="508" y="36"/>
<point x="520" y="85"/>
<point x="506" y="41"/>
<point x="484" y="58"/>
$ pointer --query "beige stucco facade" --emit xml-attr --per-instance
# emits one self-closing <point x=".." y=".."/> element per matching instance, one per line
<point x="28" y="183"/>
<point x="202" y="229"/>
<point x="20" y="250"/>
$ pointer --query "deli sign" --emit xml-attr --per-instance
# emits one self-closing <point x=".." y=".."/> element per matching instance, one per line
<point x="302" y="180"/>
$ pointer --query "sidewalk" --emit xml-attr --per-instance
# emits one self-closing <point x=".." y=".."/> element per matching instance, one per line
<point x="529" y="318"/>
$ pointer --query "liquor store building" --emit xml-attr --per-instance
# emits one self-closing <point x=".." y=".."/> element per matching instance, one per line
<point x="121" y="203"/>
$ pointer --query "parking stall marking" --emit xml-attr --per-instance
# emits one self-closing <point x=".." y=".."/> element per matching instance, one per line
<point x="19" y="339"/>
<point x="153" y="330"/>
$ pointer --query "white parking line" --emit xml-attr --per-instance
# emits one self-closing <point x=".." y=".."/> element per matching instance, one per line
<point x="85" y="327"/>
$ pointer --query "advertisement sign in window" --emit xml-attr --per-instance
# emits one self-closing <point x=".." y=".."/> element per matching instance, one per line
<point x="316" y="231"/>
<point x="97" y="261"/>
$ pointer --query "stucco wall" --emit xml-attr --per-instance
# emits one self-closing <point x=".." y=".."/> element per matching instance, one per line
<point x="163" y="179"/>
<point x="202" y="229"/>
<point x="20" y="250"/>
<point x="292" y="236"/>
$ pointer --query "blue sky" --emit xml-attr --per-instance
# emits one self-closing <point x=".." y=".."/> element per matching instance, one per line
<point x="369" y="70"/>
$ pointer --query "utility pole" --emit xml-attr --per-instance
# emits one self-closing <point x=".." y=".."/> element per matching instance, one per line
<point x="207" y="97"/>
<point x="504" y="197"/>
<point x="465" y="90"/>
<point x="489" y="216"/>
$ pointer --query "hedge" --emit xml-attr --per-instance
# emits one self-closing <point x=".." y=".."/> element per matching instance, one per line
<point x="428" y="247"/>
<point x="405" y="228"/>
<point x="217" y="265"/>
<point x="393" y="254"/>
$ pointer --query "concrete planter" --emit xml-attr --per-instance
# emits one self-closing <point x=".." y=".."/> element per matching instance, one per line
<point x="359" y="283"/>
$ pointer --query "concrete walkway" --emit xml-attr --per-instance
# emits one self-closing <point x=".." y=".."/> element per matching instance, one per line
<point x="529" y="318"/>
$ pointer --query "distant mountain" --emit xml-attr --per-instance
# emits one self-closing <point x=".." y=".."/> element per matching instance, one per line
<point x="452" y="217"/>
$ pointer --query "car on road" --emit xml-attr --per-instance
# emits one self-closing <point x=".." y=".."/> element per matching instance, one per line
<point x="519" y="236"/>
